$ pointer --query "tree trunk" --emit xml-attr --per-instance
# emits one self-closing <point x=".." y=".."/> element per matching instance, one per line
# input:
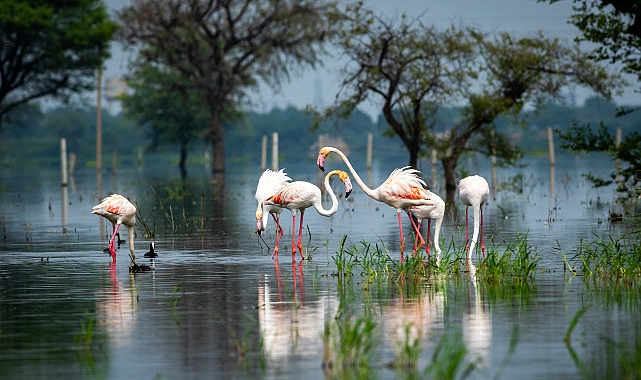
<point x="183" y="161"/>
<point x="449" y="166"/>
<point x="217" y="143"/>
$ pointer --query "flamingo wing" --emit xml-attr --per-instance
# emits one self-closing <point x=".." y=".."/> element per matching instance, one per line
<point x="271" y="182"/>
<point x="296" y="195"/>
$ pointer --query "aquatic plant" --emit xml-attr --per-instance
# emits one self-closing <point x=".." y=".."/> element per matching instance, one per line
<point x="408" y="349"/>
<point x="518" y="262"/>
<point x="348" y="346"/>
<point x="449" y="358"/>
<point x="608" y="258"/>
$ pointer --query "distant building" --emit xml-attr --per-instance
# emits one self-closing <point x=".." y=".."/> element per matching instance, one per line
<point x="326" y="139"/>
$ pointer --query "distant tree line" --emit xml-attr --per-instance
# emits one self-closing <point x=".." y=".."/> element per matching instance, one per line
<point x="35" y="139"/>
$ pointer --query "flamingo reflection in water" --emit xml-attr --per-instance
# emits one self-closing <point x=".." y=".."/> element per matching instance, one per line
<point x="289" y="324"/>
<point x="116" y="310"/>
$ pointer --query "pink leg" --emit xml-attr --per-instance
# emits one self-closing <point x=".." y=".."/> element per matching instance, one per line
<point x="293" y="236"/>
<point x="416" y="238"/>
<point x="279" y="234"/>
<point x="300" y="235"/>
<point x="427" y="242"/>
<point x="400" y="228"/>
<point x="112" y="249"/>
<point x="482" y="239"/>
<point x="418" y="232"/>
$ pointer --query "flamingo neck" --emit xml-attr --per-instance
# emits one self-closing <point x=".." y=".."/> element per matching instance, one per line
<point x="357" y="178"/>
<point x="475" y="234"/>
<point x="131" y="242"/>
<point x="334" y="208"/>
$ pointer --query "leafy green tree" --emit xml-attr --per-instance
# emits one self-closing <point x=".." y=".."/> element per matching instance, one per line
<point x="50" y="48"/>
<point x="160" y="99"/>
<point x="417" y="70"/>
<point x="226" y="47"/>
<point x="615" y="27"/>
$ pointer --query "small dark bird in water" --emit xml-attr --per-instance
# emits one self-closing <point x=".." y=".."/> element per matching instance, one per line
<point x="151" y="252"/>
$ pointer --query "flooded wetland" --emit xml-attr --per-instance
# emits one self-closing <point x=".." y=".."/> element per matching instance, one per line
<point x="216" y="305"/>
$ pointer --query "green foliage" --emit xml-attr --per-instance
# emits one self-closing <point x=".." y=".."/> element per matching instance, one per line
<point x="613" y="259"/>
<point x="518" y="263"/>
<point x="628" y="176"/>
<point x="50" y="49"/>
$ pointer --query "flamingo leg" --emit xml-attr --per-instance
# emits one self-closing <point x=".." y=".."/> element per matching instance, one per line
<point x="482" y="239"/>
<point x="293" y="236"/>
<point x="279" y="235"/>
<point x="418" y="232"/>
<point x="400" y="229"/>
<point x="418" y="224"/>
<point x="112" y="249"/>
<point x="300" y="235"/>
<point x="427" y="242"/>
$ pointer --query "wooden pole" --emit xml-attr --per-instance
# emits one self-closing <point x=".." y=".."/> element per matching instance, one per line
<point x="369" y="151"/>
<point x="275" y="151"/>
<point x="263" y="154"/>
<point x="99" y="122"/>
<point x="63" y="161"/>
<point x="551" y="146"/>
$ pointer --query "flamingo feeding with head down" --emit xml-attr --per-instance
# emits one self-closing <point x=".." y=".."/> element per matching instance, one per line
<point x="300" y="195"/>
<point x="474" y="191"/>
<point x="118" y="210"/>
<point x="435" y="212"/>
<point x="270" y="183"/>
<point x="402" y="189"/>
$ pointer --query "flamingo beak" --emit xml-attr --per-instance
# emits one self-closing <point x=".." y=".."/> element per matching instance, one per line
<point x="321" y="162"/>
<point x="348" y="187"/>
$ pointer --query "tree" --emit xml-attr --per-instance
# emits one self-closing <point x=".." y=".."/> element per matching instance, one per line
<point x="417" y="70"/>
<point x="615" y="27"/>
<point x="50" y="49"/>
<point x="226" y="47"/>
<point x="160" y="100"/>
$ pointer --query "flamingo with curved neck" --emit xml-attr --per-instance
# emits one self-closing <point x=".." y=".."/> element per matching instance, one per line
<point x="402" y="189"/>
<point x="474" y="191"/>
<point x="300" y="195"/>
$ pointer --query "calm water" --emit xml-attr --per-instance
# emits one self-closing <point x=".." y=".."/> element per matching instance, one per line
<point x="66" y="311"/>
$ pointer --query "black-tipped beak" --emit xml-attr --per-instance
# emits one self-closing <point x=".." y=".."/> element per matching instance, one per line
<point x="347" y="194"/>
<point x="321" y="168"/>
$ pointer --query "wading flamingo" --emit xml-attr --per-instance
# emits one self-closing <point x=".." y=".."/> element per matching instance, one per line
<point x="435" y="212"/>
<point x="402" y="189"/>
<point x="270" y="183"/>
<point x="118" y="210"/>
<point x="300" y="195"/>
<point x="474" y="191"/>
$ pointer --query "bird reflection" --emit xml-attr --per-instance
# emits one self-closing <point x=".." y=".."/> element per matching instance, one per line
<point x="477" y="326"/>
<point x="289" y="325"/>
<point x="116" y="311"/>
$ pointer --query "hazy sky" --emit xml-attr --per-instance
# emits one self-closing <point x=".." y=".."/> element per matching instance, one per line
<point x="519" y="17"/>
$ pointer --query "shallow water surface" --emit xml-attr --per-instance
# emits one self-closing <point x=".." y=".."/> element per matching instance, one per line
<point x="217" y="306"/>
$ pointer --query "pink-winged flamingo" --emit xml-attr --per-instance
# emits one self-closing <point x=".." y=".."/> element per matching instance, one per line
<point x="474" y="191"/>
<point x="300" y="195"/>
<point x="435" y="212"/>
<point x="402" y="189"/>
<point x="270" y="183"/>
<point x="118" y="210"/>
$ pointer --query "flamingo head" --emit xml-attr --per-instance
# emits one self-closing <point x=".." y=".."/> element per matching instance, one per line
<point x="348" y="183"/>
<point x="321" y="158"/>
<point x="259" y="220"/>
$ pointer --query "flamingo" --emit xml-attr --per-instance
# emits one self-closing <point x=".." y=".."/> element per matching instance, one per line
<point x="300" y="195"/>
<point x="402" y="189"/>
<point x="270" y="183"/>
<point x="474" y="191"/>
<point x="118" y="210"/>
<point x="435" y="212"/>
